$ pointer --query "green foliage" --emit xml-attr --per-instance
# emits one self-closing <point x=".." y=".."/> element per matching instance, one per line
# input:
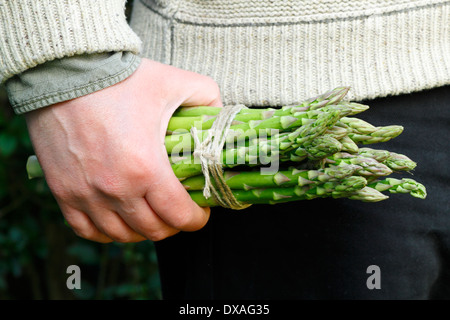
<point x="36" y="246"/>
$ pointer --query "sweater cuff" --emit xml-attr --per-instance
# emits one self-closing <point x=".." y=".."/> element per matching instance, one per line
<point x="68" y="78"/>
<point x="33" y="32"/>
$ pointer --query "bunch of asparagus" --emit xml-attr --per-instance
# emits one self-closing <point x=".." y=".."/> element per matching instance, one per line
<point x="313" y="150"/>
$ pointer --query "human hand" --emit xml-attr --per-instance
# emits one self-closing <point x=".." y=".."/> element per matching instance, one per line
<point x="104" y="158"/>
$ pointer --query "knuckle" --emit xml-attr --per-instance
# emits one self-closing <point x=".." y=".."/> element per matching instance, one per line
<point x="69" y="191"/>
<point x="143" y="168"/>
<point x="109" y="185"/>
<point x="210" y="80"/>
<point x="177" y="211"/>
<point x="86" y="233"/>
<point x="182" y="219"/>
<point x="215" y="90"/>
<point x="119" y="234"/>
<point x="122" y="238"/>
<point x="158" y="235"/>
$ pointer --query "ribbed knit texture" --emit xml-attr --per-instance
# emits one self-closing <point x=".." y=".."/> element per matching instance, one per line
<point x="35" y="31"/>
<point x="280" y="52"/>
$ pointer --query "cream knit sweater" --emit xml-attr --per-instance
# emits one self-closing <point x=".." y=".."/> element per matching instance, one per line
<point x="261" y="52"/>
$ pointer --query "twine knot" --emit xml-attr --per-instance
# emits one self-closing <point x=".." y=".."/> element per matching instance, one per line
<point x="209" y="153"/>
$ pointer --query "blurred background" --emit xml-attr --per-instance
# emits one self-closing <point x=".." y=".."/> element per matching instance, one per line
<point x="36" y="246"/>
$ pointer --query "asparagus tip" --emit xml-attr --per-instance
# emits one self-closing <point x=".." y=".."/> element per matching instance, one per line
<point x="33" y="168"/>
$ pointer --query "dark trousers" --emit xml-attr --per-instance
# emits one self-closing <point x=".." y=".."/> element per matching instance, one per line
<point x="322" y="249"/>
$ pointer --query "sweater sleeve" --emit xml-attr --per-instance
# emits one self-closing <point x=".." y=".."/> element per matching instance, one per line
<point x="68" y="78"/>
<point x="33" y="32"/>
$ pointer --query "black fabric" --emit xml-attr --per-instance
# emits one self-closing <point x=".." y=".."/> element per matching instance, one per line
<point x="321" y="249"/>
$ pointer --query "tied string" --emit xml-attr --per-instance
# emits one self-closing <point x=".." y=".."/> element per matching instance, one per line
<point x="209" y="153"/>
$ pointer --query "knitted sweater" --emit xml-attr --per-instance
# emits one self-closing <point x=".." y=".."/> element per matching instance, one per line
<point x="265" y="52"/>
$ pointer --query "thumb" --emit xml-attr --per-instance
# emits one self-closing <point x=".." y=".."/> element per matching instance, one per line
<point x="203" y="91"/>
<point x="170" y="201"/>
<point x="193" y="90"/>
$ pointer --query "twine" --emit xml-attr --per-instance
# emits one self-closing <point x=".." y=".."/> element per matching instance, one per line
<point x="209" y="153"/>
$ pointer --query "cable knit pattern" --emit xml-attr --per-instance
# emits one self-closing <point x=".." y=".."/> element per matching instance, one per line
<point x="279" y="52"/>
<point x="35" y="31"/>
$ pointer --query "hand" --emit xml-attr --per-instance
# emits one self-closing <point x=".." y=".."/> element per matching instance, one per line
<point x="104" y="158"/>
